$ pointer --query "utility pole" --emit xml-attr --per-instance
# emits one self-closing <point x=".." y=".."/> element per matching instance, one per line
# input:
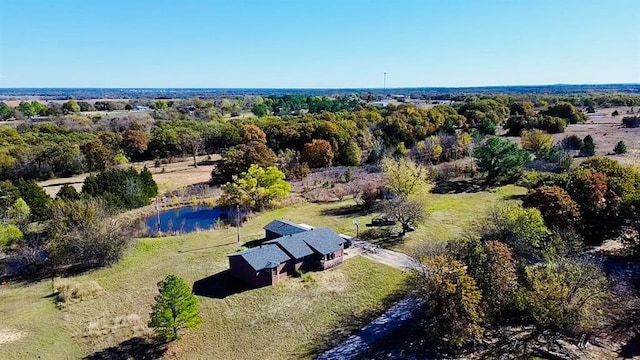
<point x="158" y="214"/>
<point x="356" y="223"/>
<point x="238" y="221"/>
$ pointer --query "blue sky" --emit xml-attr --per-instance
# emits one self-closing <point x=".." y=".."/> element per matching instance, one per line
<point x="321" y="43"/>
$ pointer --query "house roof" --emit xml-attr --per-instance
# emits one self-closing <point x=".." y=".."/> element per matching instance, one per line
<point x="296" y="248"/>
<point x="323" y="240"/>
<point x="264" y="257"/>
<point x="284" y="228"/>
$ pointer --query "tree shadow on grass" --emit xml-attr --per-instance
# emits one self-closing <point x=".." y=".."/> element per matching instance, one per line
<point x="515" y="197"/>
<point x="461" y="186"/>
<point x="631" y="349"/>
<point x="389" y="241"/>
<point x="137" y="348"/>
<point x="346" y="211"/>
<point x="219" y="286"/>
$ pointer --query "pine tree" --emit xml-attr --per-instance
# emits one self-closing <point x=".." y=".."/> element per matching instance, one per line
<point x="176" y="308"/>
<point x="588" y="146"/>
<point x="621" y="148"/>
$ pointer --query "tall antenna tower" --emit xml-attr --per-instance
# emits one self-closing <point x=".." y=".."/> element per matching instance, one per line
<point x="384" y="85"/>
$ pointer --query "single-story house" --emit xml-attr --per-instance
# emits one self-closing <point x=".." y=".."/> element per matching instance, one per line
<point x="276" y="259"/>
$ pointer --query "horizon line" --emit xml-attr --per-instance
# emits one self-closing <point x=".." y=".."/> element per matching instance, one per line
<point x="328" y="88"/>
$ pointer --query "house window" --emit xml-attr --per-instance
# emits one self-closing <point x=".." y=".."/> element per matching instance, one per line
<point x="274" y="271"/>
<point x="330" y="256"/>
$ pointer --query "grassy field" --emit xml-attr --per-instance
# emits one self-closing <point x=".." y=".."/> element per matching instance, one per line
<point x="288" y="320"/>
<point x="239" y="325"/>
<point x="449" y="215"/>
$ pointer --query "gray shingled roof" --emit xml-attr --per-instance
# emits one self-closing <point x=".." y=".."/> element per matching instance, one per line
<point x="323" y="240"/>
<point x="284" y="228"/>
<point x="295" y="247"/>
<point x="264" y="257"/>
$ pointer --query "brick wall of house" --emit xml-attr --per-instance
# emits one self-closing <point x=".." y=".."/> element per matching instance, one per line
<point x="241" y="270"/>
<point x="338" y="258"/>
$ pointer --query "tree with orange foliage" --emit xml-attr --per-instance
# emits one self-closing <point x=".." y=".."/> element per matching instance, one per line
<point x="453" y="301"/>
<point x="556" y="206"/>
<point x="317" y="153"/>
<point x="253" y="133"/>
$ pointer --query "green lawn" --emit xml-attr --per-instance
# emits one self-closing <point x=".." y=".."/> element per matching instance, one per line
<point x="450" y="215"/>
<point x="244" y="325"/>
<point x="284" y="321"/>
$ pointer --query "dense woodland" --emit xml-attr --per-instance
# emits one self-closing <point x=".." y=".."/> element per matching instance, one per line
<point x="524" y="265"/>
<point x="80" y="136"/>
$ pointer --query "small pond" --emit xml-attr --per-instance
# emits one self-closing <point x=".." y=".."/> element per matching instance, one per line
<point x="188" y="219"/>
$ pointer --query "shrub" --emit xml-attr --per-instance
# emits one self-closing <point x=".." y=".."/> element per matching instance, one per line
<point x="83" y="232"/>
<point x="9" y="235"/>
<point x="566" y="111"/>
<point x="368" y="198"/>
<point x="631" y="213"/>
<point x="565" y="296"/>
<point x="36" y="198"/>
<point x="67" y="193"/>
<point x="523" y="229"/>
<point x="620" y="148"/>
<point x="615" y="113"/>
<point x="487" y="127"/>
<point x="536" y="140"/>
<point x="554" y="125"/>
<point x="305" y="277"/>
<point x="631" y="121"/>
<point x="588" y="146"/>
<point x="571" y="142"/>
<point x="556" y="206"/>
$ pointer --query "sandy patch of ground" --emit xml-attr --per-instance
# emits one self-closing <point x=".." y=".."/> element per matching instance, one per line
<point x="175" y="175"/>
<point x="606" y="131"/>
<point x="8" y="336"/>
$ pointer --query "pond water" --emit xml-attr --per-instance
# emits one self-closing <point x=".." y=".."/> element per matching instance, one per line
<point x="188" y="219"/>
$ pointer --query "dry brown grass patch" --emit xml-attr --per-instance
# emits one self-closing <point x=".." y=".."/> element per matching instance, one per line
<point x="68" y="291"/>
<point x="132" y="325"/>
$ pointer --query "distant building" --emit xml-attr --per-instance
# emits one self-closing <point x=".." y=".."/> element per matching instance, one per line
<point x="416" y="101"/>
<point x="442" y="102"/>
<point x="289" y="247"/>
<point x="141" y="108"/>
<point x="380" y="104"/>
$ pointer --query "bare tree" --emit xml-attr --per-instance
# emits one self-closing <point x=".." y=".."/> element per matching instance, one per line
<point x="407" y="213"/>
